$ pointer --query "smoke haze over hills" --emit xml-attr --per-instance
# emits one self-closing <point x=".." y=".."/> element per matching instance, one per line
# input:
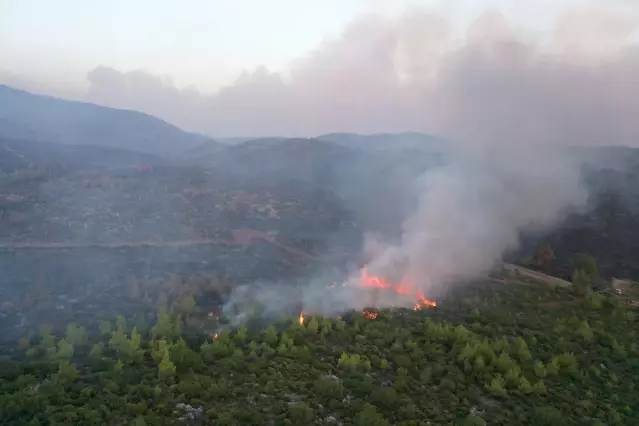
<point x="507" y="101"/>
<point x="496" y="83"/>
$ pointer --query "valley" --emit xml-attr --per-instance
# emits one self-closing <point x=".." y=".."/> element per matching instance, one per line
<point x="266" y="281"/>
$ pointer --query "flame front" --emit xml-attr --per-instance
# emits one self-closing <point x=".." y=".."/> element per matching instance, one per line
<point x="369" y="315"/>
<point x="301" y="318"/>
<point x="422" y="302"/>
<point x="404" y="287"/>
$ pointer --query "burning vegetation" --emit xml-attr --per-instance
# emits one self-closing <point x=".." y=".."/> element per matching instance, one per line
<point x="370" y="313"/>
<point x="404" y="287"/>
<point x="380" y="283"/>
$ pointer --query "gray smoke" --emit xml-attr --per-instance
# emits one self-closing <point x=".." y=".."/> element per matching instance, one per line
<point x="509" y="102"/>
<point x="474" y="209"/>
<point x="469" y="212"/>
<point x="513" y="107"/>
<point x="411" y="73"/>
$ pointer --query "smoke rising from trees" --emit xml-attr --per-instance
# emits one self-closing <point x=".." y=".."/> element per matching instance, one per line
<point x="508" y="101"/>
<point x="412" y="73"/>
<point x="510" y="105"/>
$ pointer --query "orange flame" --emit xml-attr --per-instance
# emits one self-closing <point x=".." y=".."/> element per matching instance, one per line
<point x="301" y="319"/>
<point x="369" y="315"/>
<point x="216" y="336"/>
<point x="404" y="287"/>
<point x="422" y="302"/>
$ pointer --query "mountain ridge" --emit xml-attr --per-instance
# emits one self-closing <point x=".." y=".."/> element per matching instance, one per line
<point x="24" y="115"/>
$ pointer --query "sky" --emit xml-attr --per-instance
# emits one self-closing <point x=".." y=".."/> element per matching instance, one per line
<point x="290" y="67"/>
<point x="205" y="43"/>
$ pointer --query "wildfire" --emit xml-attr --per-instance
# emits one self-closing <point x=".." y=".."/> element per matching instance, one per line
<point x="216" y="336"/>
<point x="301" y="318"/>
<point x="404" y="287"/>
<point x="369" y="314"/>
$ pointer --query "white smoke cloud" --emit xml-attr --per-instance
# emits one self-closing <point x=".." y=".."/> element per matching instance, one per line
<point x="507" y="101"/>
<point x="410" y="73"/>
<point x="474" y="209"/>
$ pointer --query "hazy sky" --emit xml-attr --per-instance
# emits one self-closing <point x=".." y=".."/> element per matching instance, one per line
<point x="469" y="68"/>
<point x="206" y="43"/>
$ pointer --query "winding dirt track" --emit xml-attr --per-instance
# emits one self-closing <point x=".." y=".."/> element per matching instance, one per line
<point x="40" y="245"/>
<point x="24" y="245"/>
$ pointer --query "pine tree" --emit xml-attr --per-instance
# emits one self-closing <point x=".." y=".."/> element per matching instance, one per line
<point x="241" y="335"/>
<point x="312" y="326"/>
<point x="539" y="369"/>
<point x="496" y="386"/>
<point x="370" y="417"/>
<point x="65" y="350"/>
<point x="97" y="350"/>
<point x="524" y="386"/>
<point x="270" y="336"/>
<point x="539" y="388"/>
<point x="584" y="331"/>
<point x="166" y="368"/>
<point x="76" y="335"/>
<point x="66" y="372"/>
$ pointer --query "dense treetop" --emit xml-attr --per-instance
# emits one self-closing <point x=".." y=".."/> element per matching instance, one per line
<point x="490" y="353"/>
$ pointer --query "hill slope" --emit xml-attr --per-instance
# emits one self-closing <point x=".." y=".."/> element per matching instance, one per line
<point x="24" y="115"/>
<point x="16" y="154"/>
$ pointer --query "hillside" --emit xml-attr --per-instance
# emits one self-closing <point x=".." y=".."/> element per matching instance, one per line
<point x="16" y="154"/>
<point x="27" y="116"/>
<point x="488" y="354"/>
<point x="198" y="255"/>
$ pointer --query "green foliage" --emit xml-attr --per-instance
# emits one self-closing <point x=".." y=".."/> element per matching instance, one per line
<point x="581" y="281"/>
<point x="497" y="386"/>
<point x="97" y="350"/>
<point x="300" y="413"/>
<point x="186" y="305"/>
<point x="312" y="325"/>
<point x="66" y="372"/>
<point x="514" y="361"/>
<point x="539" y="369"/>
<point x="587" y="264"/>
<point x="76" y="335"/>
<point x="65" y="350"/>
<point x="166" y="368"/>
<point x="369" y="416"/>
<point x="353" y="362"/>
<point x="328" y="387"/>
<point x="584" y="331"/>
<point x="166" y="325"/>
<point x="270" y="336"/>
<point x="473" y="420"/>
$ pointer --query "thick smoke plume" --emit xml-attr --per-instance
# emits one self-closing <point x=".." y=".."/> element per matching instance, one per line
<point x="508" y="101"/>
<point x="474" y="209"/>
<point x="512" y="108"/>
<point x="415" y="73"/>
<point x="469" y="212"/>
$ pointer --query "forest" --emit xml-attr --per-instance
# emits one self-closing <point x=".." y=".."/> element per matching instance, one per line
<point x="129" y="276"/>
<point x="492" y="352"/>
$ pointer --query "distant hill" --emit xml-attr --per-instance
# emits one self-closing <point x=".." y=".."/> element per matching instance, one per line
<point x="16" y="154"/>
<point x="301" y="158"/>
<point x="24" y="115"/>
<point x="387" y="141"/>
